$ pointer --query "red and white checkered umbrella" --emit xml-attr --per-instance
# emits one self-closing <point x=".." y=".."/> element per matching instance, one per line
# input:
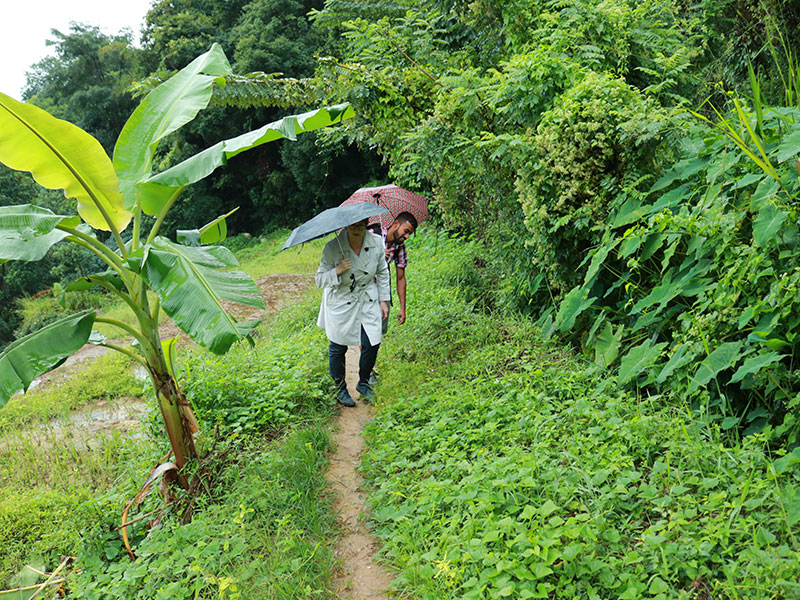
<point x="394" y="198"/>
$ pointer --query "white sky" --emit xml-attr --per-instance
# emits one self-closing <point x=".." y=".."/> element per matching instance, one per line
<point x="26" y="25"/>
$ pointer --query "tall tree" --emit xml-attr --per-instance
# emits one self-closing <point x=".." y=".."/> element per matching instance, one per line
<point x="88" y="80"/>
<point x="272" y="185"/>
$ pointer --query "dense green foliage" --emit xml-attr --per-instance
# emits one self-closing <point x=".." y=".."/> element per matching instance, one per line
<point x="266" y="536"/>
<point x="546" y="129"/>
<point x="621" y="173"/>
<point x="90" y="82"/>
<point x="262" y="388"/>
<point x="504" y="467"/>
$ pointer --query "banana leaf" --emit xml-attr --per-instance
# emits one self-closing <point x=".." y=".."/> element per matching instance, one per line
<point x="191" y="283"/>
<point x="211" y="233"/>
<point x="41" y="351"/>
<point x="62" y="156"/>
<point x="27" y="232"/>
<point x="156" y="191"/>
<point x="167" y="108"/>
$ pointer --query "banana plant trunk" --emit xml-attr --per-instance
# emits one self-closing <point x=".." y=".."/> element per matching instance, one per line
<point x="179" y="419"/>
<point x="178" y="416"/>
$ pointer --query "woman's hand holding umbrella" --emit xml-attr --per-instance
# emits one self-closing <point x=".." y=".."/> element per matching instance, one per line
<point x="344" y="265"/>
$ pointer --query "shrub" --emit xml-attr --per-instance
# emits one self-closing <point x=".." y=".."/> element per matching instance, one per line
<point x="280" y="381"/>
<point x="37" y="312"/>
<point x="599" y="134"/>
<point x="517" y="470"/>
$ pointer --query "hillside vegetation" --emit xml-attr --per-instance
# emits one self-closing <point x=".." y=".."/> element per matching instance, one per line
<point x="595" y="394"/>
<point x="505" y="466"/>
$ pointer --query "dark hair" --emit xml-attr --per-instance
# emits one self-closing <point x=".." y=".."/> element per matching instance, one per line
<point x="407" y="217"/>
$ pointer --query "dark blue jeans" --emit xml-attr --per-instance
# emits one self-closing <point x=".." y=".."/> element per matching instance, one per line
<point x="336" y="354"/>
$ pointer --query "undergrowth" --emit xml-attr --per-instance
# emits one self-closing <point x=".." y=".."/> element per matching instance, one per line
<point x="262" y="526"/>
<point x="504" y="467"/>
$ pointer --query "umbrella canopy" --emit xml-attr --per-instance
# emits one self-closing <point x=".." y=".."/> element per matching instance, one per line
<point x="396" y="199"/>
<point x="330" y="220"/>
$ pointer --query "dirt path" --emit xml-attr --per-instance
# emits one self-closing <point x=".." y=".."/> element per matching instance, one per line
<point x="362" y="578"/>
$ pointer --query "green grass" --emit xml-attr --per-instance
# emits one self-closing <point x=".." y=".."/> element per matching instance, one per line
<point x="503" y="467"/>
<point x="269" y="535"/>
<point x="266" y="527"/>
<point x="266" y="258"/>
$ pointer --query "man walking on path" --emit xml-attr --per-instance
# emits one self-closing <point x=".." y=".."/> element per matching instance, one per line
<point x="394" y="240"/>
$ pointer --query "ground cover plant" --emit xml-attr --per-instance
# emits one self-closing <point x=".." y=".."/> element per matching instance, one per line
<point x="264" y="528"/>
<point x="512" y="468"/>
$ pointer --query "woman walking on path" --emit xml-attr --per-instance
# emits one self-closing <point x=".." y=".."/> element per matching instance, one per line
<point x="355" y="279"/>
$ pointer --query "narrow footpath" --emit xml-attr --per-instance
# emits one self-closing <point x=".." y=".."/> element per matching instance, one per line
<point x="361" y="578"/>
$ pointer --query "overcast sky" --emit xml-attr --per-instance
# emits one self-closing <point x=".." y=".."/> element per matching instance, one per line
<point x="26" y="25"/>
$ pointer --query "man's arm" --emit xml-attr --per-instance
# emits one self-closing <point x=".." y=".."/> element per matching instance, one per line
<point x="401" y="294"/>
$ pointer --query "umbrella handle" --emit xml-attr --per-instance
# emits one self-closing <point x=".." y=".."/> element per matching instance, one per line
<point x="340" y="245"/>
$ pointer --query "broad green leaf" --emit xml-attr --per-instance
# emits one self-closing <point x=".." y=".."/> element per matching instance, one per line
<point x="573" y="304"/>
<point x="165" y="109"/>
<point x="598" y="259"/>
<point x="630" y="244"/>
<point x="62" y="156"/>
<point x="629" y="212"/>
<point x="652" y="244"/>
<point x="767" y="223"/>
<point x="783" y="464"/>
<point x="192" y="283"/>
<point x="204" y="163"/>
<point x="793" y="509"/>
<point x="671" y="199"/>
<point x="678" y="359"/>
<point x="548" y="508"/>
<point x="661" y="295"/>
<point x="28" y="357"/>
<point x="211" y="233"/>
<point x="749" y="179"/>
<point x="764" y="191"/>
<point x="606" y="346"/>
<point x="27" y="232"/>
<point x="723" y="357"/>
<point x="682" y="170"/>
<point x="104" y="279"/>
<point x="755" y="364"/>
<point x="789" y="146"/>
<point x="637" y="360"/>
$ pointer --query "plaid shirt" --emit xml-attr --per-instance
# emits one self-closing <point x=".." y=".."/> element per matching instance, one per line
<point x="397" y="252"/>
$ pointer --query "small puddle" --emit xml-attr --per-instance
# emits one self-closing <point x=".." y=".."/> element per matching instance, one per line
<point x="105" y="414"/>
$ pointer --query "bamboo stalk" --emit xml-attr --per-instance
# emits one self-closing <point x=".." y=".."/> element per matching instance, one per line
<point x="49" y="581"/>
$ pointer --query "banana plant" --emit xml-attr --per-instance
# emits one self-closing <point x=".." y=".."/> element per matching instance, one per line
<point x="188" y="279"/>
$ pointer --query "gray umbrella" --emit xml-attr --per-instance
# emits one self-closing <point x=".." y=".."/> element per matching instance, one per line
<point x="330" y="220"/>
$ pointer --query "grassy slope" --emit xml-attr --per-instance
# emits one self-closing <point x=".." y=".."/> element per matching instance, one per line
<point x="504" y="467"/>
<point x="266" y="528"/>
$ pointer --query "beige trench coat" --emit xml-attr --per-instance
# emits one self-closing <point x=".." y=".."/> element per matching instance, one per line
<point x="353" y="299"/>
